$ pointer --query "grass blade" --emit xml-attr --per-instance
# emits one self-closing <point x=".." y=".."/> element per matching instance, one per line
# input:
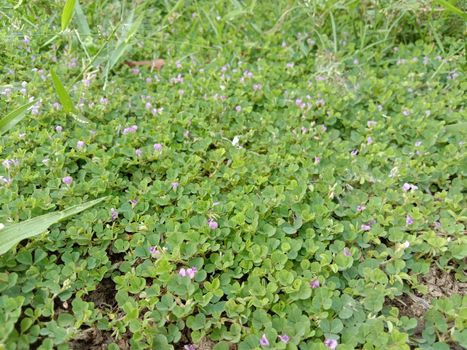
<point x="63" y="95"/>
<point x="451" y="8"/>
<point x="82" y="21"/>
<point x="67" y="13"/>
<point x="11" y="235"/>
<point x="14" y="117"/>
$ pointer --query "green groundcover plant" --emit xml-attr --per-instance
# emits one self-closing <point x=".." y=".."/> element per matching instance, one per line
<point x="292" y="178"/>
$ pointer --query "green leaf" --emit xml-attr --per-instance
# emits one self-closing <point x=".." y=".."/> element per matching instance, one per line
<point x="63" y="95"/>
<point x="67" y="13"/>
<point x="14" y="117"/>
<point x="11" y="235"/>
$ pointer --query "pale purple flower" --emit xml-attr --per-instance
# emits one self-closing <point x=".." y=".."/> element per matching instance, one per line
<point x="290" y="65"/>
<point x="130" y="129"/>
<point x="407" y="187"/>
<point x="189" y="347"/>
<point x="133" y="202"/>
<point x="314" y="283"/>
<point x="347" y="252"/>
<point x="320" y="102"/>
<point x="104" y="101"/>
<point x="174" y="185"/>
<point x="26" y="40"/>
<point x="178" y="65"/>
<point x="406" y="112"/>
<point x="418" y="143"/>
<point x="425" y="60"/>
<point x="437" y="225"/>
<point x="304" y="130"/>
<point x="7" y="163"/>
<point x="23" y="91"/>
<point x="354" y="153"/>
<point x="148" y="80"/>
<point x="135" y="71"/>
<point x="331" y="344"/>
<point x="324" y="128"/>
<point x="190" y="272"/>
<point x="148" y="105"/>
<point x="370" y="140"/>
<point x="181" y="92"/>
<point x="284" y="338"/>
<point x="113" y="214"/>
<point x="320" y="78"/>
<point x="157" y="147"/>
<point x="365" y="227"/>
<point x="138" y="152"/>
<point x="212" y="224"/>
<point x="238" y="108"/>
<point x="264" y="341"/>
<point x="67" y="180"/>
<point x="56" y="105"/>
<point x="298" y="101"/>
<point x="5" y="180"/>
<point x="405" y="245"/>
<point x="154" y="251"/>
<point x="360" y="208"/>
<point x="257" y="87"/>
<point x="80" y="144"/>
<point x="409" y="220"/>
<point x="182" y="272"/>
<point x="317" y="160"/>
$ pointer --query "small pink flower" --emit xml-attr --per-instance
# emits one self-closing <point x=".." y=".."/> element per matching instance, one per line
<point x="174" y="185"/>
<point x="67" y="180"/>
<point x="213" y="224"/>
<point x="157" y="147"/>
<point x="365" y="227"/>
<point x="135" y="71"/>
<point x="331" y="344"/>
<point x="314" y="283"/>
<point x="238" y="109"/>
<point x="407" y="187"/>
<point x="317" y="160"/>
<point x="148" y="105"/>
<point x="80" y="145"/>
<point x="133" y="202"/>
<point x="264" y="340"/>
<point x="138" y="152"/>
<point x="360" y="208"/>
<point x="182" y="272"/>
<point x="409" y="220"/>
<point x="370" y="140"/>
<point x="189" y="347"/>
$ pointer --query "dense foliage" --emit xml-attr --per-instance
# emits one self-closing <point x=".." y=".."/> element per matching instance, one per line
<point x="291" y="179"/>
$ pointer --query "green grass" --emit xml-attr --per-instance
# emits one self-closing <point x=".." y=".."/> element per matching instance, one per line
<point x="297" y="168"/>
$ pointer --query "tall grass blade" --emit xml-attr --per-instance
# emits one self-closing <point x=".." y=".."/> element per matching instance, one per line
<point x="82" y="22"/>
<point x="124" y="43"/>
<point x="451" y="8"/>
<point x="14" y="117"/>
<point x="62" y="94"/>
<point x="11" y="235"/>
<point x="67" y="13"/>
